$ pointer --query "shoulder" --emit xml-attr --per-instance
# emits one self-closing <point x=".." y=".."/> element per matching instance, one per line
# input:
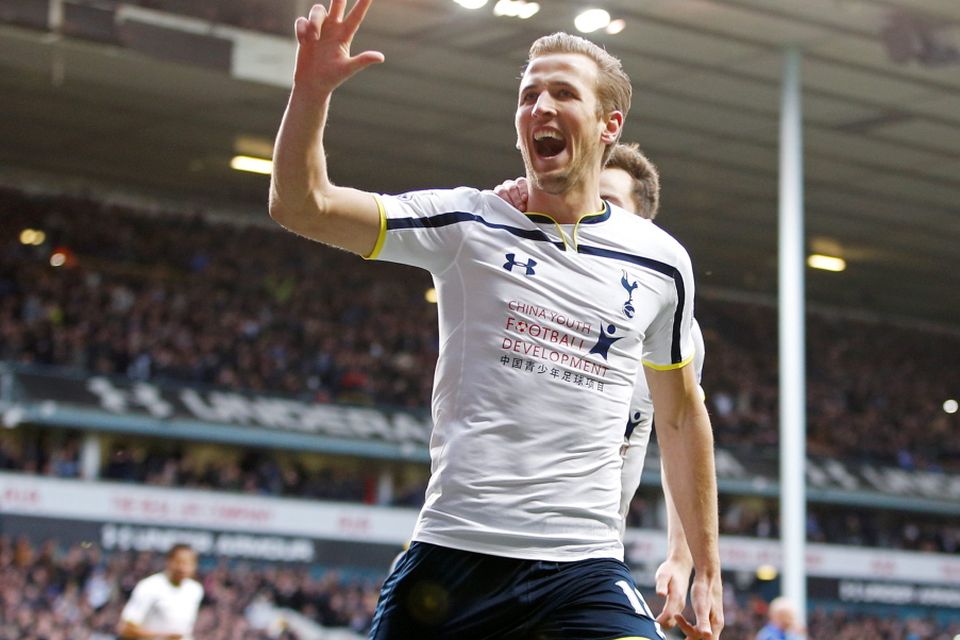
<point x="152" y="582"/>
<point x="645" y="238"/>
<point x="439" y="200"/>
<point x="670" y="245"/>
<point x="445" y="207"/>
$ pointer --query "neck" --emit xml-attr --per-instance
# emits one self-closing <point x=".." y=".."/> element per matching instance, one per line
<point x="567" y="207"/>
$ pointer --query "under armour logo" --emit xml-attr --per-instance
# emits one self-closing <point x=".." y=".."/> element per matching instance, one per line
<point x="513" y="262"/>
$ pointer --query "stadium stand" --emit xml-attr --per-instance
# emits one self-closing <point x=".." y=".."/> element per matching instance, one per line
<point x="170" y="298"/>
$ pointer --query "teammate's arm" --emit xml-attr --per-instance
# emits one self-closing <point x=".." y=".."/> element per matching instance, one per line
<point x="302" y="198"/>
<point x="673" y="574"/>
<point x="686" y="449"/>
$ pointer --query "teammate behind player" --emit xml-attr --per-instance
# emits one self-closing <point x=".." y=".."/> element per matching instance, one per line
<point x="164" y="606"/>
<point x="630" y="181"/>
<point x="541" y="343"/>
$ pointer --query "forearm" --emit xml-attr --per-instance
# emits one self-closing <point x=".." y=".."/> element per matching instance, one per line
<point x="299" y="179"/>
<point x="131" y="631"/>
<point x="686" y="449"/>
<point x="677" y="548"/>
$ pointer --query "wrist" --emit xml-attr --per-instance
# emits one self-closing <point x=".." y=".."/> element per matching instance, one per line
<point x="310" y="92"/>
<point x="708" y="572"/>
<point x="681" y="556"/>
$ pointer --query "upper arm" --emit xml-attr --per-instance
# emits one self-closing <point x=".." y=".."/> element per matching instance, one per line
<point x="343" y="217"/>
<point x="675" y="393"/>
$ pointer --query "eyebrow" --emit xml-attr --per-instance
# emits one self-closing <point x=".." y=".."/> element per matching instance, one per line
<point x="549" y="83"/>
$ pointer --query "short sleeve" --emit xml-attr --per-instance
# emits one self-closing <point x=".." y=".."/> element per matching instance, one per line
<point x="138" y="606"/>
<point x="699" y="348"/>
<point x="668" y="343"/>
<point x="425" y="228"/>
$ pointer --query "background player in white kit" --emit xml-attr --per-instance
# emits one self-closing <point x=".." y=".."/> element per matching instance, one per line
<point x="164" y="606"/>
<point x="630" y="181"/>
<point x="519" y="533"/>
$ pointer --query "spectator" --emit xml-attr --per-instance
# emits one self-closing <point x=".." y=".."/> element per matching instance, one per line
<point x="782" y="622"/>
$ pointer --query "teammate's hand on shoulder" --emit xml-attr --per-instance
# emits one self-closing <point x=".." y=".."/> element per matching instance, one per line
<point x="324" y="39"/>
<point x="514" y="192"/>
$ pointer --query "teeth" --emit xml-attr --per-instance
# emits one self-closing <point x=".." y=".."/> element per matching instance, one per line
<point x="541" y="135"/>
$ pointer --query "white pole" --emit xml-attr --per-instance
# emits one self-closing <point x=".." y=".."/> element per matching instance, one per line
<point x="793" y="418"/>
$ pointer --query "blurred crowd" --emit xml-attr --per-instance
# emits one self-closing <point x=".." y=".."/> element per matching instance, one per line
<point x="755" y="517"/>
<point x="48" y="593"/>
<point x="185" y="299"/>
<point x="177" y="298"/>
<point x="313" y="476"/>
<point x="77" y="593"/>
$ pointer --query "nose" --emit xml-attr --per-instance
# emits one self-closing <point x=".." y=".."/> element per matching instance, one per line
<point x="545" y="105"/>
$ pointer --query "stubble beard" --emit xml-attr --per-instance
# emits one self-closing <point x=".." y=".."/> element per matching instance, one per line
<point x="556" y="183"/>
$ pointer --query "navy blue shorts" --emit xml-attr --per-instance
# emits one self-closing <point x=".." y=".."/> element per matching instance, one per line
<point x="437" y="593"/>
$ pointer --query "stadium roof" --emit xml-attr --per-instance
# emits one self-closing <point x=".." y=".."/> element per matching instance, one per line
<point x="881" y="107"/>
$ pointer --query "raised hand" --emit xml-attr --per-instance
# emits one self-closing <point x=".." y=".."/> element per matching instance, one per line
<point x="323" y="55"/>
<point x="673" y="579"/>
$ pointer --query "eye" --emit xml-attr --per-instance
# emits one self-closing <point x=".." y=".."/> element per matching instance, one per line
<point x="528" y="97"/>
<point x="566" y="93"/>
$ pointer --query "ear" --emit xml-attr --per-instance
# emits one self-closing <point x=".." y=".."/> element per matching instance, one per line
<point x="613" y="124"/>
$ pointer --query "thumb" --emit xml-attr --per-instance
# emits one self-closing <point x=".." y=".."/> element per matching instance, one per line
<point x="364" y="60"/>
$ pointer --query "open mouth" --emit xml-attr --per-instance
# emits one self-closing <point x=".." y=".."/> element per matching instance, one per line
<point x="548" y="144"/>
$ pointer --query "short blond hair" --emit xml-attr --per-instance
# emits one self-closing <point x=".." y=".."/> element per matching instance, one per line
<point x="614" y="91"/>
<point x="646" y="178"/>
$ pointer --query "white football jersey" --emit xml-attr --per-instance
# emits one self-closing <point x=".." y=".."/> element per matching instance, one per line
<point x="542" y="331"/>
<point x="639" y="425"/>
<point x="159" y="606"/>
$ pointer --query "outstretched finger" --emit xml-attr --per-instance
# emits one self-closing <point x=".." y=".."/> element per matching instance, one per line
<point x="691" y="632"/>
<point x="364" y="60"/>
<point x="356" y="15"/>
<point x="302" y="29"/>
<point x="337" y="8"/>
<point x="318" y="13"/>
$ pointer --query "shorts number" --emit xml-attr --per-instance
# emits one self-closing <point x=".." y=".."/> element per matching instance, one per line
<point x="636" y="600"/>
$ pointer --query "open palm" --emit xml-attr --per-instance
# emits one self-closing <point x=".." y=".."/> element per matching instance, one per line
<point x="323" y="55"/>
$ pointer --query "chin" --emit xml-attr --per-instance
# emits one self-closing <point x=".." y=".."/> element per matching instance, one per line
<point x="554" y="184"/>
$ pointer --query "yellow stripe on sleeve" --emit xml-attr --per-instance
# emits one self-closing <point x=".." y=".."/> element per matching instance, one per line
<point x="383" y="230"/>
<point x="667" y="367"/>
